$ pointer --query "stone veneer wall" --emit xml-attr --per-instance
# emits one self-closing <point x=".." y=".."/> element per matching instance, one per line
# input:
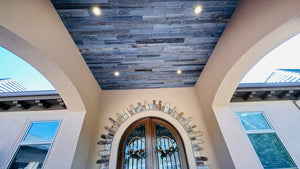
<point x="195" y="136"/>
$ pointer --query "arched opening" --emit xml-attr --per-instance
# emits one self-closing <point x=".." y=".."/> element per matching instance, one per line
<point x="233" y="56"/>
<point x="151" y="143"/>
<point x="242" y="65"/>
<point x="17" y="75"/>
<point x="279" y="66"/>
<point x="43" y="63"/>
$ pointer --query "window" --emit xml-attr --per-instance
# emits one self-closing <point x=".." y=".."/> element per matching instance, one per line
<point x="34" y="147"/>
<point x="265" y="141"/>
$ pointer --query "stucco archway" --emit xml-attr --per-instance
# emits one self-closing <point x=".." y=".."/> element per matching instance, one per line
<point x="251" y="57"/>
<point x="256" y="27"/>
<point x="34" y="31"/>
<point x="45" y="66"/>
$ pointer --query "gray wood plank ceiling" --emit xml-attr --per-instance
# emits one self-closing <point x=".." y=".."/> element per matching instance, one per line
<point x="146" y="41"/>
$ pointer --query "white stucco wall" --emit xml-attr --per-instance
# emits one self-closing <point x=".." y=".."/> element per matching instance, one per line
<point x="284" y="117"/>
<point x="255" y="28"/>
<point x="13" y="126"/>
<point x="33" y="30"/>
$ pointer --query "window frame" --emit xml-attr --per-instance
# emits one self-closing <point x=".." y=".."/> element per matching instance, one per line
<point x="264" y="131"/>
<point x="21" y="141"/>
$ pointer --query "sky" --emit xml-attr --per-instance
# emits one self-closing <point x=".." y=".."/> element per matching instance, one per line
<point x="285" y="56"/>
<point x="12" y="66"/>
<point x="43" y="130"/>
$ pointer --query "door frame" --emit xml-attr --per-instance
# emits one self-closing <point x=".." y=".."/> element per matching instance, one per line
<point x="151" y="113"/>
<point x="150" y="135"/>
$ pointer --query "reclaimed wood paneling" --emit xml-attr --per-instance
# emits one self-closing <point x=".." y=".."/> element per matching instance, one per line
<point x="147" y="41"/>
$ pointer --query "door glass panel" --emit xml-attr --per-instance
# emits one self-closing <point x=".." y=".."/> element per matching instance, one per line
<point x="167" y="150"/>
<point x="135" y="153"/>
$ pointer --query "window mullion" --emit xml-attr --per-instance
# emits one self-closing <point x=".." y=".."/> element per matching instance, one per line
<point x="35" y="143"/>
<point x="259" y="131"/>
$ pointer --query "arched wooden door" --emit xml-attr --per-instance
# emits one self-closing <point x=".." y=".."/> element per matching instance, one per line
<point x="151" y="143"/>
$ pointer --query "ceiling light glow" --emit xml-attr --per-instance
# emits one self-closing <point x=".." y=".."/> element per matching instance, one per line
<point x="117" y="73"/>
<point x="198" y="9"/>
<point x="179" y="71"/>
<point x="96" y="11"/>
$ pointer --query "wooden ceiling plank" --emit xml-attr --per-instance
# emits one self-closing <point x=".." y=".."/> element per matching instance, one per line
<point x="147" y="41"/>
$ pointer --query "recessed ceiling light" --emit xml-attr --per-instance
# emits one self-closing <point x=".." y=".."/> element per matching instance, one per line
<point x="96" y="11"/>
<point x="117" y="73"/>
<point x="179" y="71"/>
<point x="198" y="9"/>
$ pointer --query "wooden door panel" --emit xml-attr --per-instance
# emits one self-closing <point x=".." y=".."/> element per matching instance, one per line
<point x="151" y="143"/>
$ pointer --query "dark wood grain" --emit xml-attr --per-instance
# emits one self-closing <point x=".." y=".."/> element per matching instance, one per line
<point x="150" y="139"/>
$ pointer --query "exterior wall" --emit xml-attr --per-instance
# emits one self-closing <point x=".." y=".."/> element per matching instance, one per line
<point x="283" y="116"/>
<point x="13" y="126"/>
<point x="184" y="99"/>
<point x="10" y="85"/>
<point x="255" y="28"/>
<point x="33" y="30"/>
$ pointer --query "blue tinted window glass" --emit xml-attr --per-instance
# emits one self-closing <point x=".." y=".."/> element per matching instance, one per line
<point x="270" y="151"/>
<point x="30" y="156"/>
<point x="41" y="131"/>
<point x="253" y="121"/>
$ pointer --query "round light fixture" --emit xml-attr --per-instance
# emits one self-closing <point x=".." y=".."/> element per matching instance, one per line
<point x="96" y="11"/>
<point x="198" y="9"/>
<point x="117" y="73"/>
<point x="179" y="71"/>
